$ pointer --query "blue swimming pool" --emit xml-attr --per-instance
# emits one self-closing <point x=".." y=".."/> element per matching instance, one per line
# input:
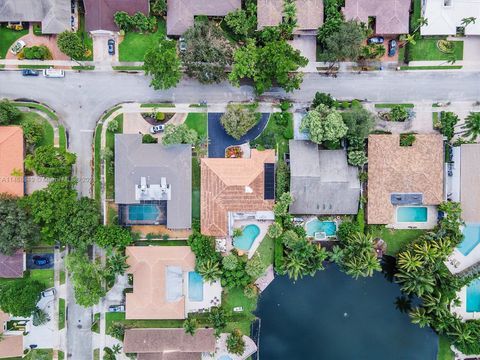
<point x="412" y="214"/>
<point x="195" y="286"/>
<point x="143" y="212"/>
<point x="471" y="238"/>
<point x="224" y="357"/>
<point x="245" y="241"/>
<point x="315" y="225"/>
<point x="473" y="296"/>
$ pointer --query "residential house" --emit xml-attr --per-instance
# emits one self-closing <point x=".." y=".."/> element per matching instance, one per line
<point x="405" y="183"/>
<point x="12" y="266"/>
<point x="54" y="15"/>
<point x="234" y="188"/>
<point x="99" y="14"/>
<point x="168" y="344"/>
<point x="467" y="158"/>
<point x="11" y="345"/>
<point x="181" y="13"/>
<point x="153" y="183"/>
<point x="389" y="17"/>
<point x="159" y="274"/>
<point x="445" y="17"/>
<point x="321" y="181"/>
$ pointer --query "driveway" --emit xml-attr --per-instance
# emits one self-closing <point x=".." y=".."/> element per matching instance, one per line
<point x="32" y="266"/>
<point x="44" y="335"/>
<point x="101" y="57"/>
<point x="219" y="140"/>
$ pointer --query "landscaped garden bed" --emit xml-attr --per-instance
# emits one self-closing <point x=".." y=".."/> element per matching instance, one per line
<point x="233" y="152"/>
<point x="157" y="117"/>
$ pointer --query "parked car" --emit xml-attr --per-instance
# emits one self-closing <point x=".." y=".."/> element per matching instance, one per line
<point x="116" y="308"/>
<point x="48" y="292"/>
<point x="157" y="129"/>
<point x="30" y="72"/>
<point x="392" y="48"/>
<point x="40" y="260"/>
<point x="17" y="47"/>
<point x="182" y="44"/>
<point x="376" y="40"/>
<point x="53" y="73"/>
<point x="111" y="46"/>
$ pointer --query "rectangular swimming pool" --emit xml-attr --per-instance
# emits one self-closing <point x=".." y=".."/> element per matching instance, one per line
<point x="473" y="296"/>
<point x="471" y="238"/>
<point x="412" y="214"/>
<point x="195" y="286"/>
<point x="142" y="212"/>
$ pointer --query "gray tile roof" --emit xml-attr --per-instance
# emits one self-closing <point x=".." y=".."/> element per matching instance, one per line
<point x="53" y="14"/>
<point x="134" y="160"/>
<point x="322" y="182"/>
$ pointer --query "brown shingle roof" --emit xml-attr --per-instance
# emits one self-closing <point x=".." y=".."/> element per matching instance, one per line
<point x="235" y="185"/>
<point x="148" y="265"/>
<point x="180" y="13"/>
<point x="309" y="13"/>
<point x="11" y="266"/>
<point x="11" y="345"/>
<point x="169" y="341"/>
<point x="99" y="13"/>
<point x="403" y="169"/>
<point x="11" y="159"/>
<point x="392" y="16"/>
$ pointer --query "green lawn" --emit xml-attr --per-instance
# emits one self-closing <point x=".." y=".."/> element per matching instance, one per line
<point x="40" y="107"/>
<point x="112" y="214"/>
<point x="425" y="49"/>
<point x="111" y="317"/>
<point x="155" y="105"/>
<point x="97" y="160"/>
<point x="135" y="45"/>
<point x="61" y="355"/>
<point x="37" y="67"/>
<point x="451" y="67"/>
<point x="39" y="354"/>
<point x="96" y="323"/>
<point x="110" y="143"/>
<point x="266" y="250"/>
<point x="280" y="140"/>
<point x="87" y="67"/>
<point x="43" y="276"/>
<point x="384" y="105"/>
<point x="160" y="242"/>
<point x="198" y="122"/>
<point x="395" y="239"/>
<point x="127" y="68"/>
<point x="195" y="188"/>
<point x="61" y="313"/>
<point x="196" y="204"/>
<point x="62" y="137"/>
<point x="233" y="298"/>
<point x="444" y="352"/>
<point x="7" y="38"/>
<point x="85" y="36"/>
<point x="47" y="138"/>
<point x="96" y="354"/>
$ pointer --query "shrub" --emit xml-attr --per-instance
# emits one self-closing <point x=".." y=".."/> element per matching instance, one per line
<point x="9" y="113"/>
<point x="285" y="105"/>
<point x="398" y="113"/>
<point x="448" y="120"/>
<point x="407" y="139"/>
<point x="279" y="256"/>
<point x="323" y="98"/>
<point x="255" y="267"/>
<point x="32" y="131"/>
<point x="51" y="161"/>
<point x="283" y="179"/>
<point x="160" y="116"/>
<point x="203" y="247"/>
<point x="250" y="291"/>
<point x="346" y="229"/>
<point x="179" y="134"/>
<point x="445" y="46"/>
<point x="71" y="44"/>
<point x="237" y="277"/>
<point x="266" y="140"/>
<point x="357" y="158"/>
<point x="149" y="139"/>
<point x="280" y="118"/>
<point x="217" y="318"/>
<point x="238" y="120"/>
<point x="116" y="330"/>
<point x="235" y="342"/>
<point x="112" y="126"/>
<point x="36" y="53"/>
<point x="230" y="262"/>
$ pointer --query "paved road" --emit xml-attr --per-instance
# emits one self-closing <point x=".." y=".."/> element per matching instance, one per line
<point x="81" y="98"/>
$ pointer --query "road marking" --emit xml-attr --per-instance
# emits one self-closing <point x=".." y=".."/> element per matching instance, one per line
<point x="87" y="130"/>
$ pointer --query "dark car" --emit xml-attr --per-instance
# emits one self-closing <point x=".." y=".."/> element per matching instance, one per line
<point x="376" y="40"/>
<point x="392" y="48"/>
<point x="40" y="260"/>
<point x="30" y="72"/>
<point x="111" y="46"/>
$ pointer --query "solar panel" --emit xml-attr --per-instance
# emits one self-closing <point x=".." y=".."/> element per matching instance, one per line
<point x="269" y="171"/>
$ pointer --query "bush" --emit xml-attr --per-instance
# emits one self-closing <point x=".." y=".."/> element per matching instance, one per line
<point x="250" y="291"/>
<point x="346" y="229"/>
<point x="238" y="120"/>
<point x="448" y="120"/>
<point x="9" y="113"/>
<point x="280" y="118"/>
<point x="237" y="277"/>
<point x="398" y="113"/>
<point x="279" y="259"/>
<point x="266" y="140"/>
<point x="112" y="126"/>
<point x="36" y="53"/>
<point x="203" y="247"/>
<point x="235" y="343"/>
<point x="50" y="161"/>
<point x="445" y="46"/>
<point x="230" y="262"/>
<point x="32" y="131"/>
<point x="285" y="105"/>
<point x="357" y="158"/>
<point x="160" y="116"/>
<point x="149" y="139"/>
<point x="116" y="330"/>
<point x="71" y="44"/>
<point x="407" y="139"/>
<point x="282" y="178"/>
<point x="323" y="98"/>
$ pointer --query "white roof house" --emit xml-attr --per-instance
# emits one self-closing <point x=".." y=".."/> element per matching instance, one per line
<point x="444" y="16"/>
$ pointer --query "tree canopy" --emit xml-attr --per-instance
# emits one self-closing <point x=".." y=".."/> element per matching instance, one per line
<point x="51" y="161"/>
<point x="324" y="124"/>
<point x="179" y="134"/>
<point x="243" y="22"/>
<point x="163" y="64"/>
<point x="71" y="45"/>
<point x="9" y="113"/>
<point x="18" y="229"/>
<point x="19" y="297"/>
<point x="238" y="119"/>
<point x="113" y="236"/>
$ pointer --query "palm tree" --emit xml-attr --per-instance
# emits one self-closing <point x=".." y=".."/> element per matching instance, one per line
<point x="416" y="283"/>
<point x="190" y="326"/>
<point x="419" y="316"/>
<point x="421" y="22"/>
<point x="403" y="303"/>
<point x="409" y="262"/>
<point x="40" y="317"/>
<point x="210" y="270"/>
<point x="117" y="348"/>
<point x="426" y="252"/>
<point x="294" y="266"/>
<point x="409" y="39"/>
<point x="354" y="267"/>
<point x="472" y="126"/>
<point x="468" y="20"/>
<point x="462" y="333"/>
<point x="117" y="264"/>
<point x="336" y="254"/>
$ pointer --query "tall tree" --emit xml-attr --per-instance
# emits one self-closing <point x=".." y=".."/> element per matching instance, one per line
<point x="163" y="64"/>
<point x="324" y="124"/>
<point x="238" y="120"/>
<point x="346" y="43"/>
<point x="113" y="236"/>
<point x="71" y="45"/>
<point x="19" y="297"/>
<point x="51" y="161"/>
<point x="179" y="134"/>
<point x="9" y="113"/>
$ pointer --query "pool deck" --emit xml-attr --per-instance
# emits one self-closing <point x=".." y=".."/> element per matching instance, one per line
<point x="212" y="296"/>
<point x="263" y="281"/>
<point x="461" y="310"/>
<point x="432" y="216"/>
<point x="457" y="262"/>
<point x="262" y="225"/>
<point x="336" y="219"/>
<point x="221" y="349"/>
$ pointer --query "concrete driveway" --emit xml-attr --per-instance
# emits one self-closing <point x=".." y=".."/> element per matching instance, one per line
<point x="44" y="335"/>
<point x="134" y="123"/>
<point x="307" y="44"/>
<point x="103" y="60"/>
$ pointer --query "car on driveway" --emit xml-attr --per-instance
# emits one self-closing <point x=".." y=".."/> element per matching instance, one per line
<point x="17" y="47"/>
<point x="392" y="48"/>
<point x="30" y="72"/>
<point x="111" y="46"/>
<point x="157" y="129"/>
<point x="40" y="260"/>
<point x="376" y="40"/>
<point x="182" y="44"/>
<point x="49" y="292"/>
<point x="116" y="308"/>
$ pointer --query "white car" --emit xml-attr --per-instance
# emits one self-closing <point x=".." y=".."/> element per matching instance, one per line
<point x="157" y="128"/>
<point x="48" y="292"/>
<point x="17" y="47"/>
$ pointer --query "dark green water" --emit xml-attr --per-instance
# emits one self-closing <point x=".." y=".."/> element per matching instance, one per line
<point x="306" y="321"/>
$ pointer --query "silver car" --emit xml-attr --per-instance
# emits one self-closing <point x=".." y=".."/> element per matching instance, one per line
<point x="157" y="129"/>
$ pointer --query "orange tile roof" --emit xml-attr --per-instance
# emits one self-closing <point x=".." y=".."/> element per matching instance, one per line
<point x="148" y="264"/>
<point x="232" y="185"/>
<point x="402" y="169"/>
<point x="11" y="345"/>
<point x="11" y="159"/>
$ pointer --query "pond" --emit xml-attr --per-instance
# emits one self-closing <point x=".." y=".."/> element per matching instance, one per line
<point x="332" y="316"/>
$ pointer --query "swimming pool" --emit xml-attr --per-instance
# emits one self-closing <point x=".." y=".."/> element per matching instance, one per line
<point x="142" y="212"/>
<point x="471" y="238"/>
<point x="473" y="296"/>
<point x="412" y="214"/>
<point x="315" y="225"/>
<point x="195" y="286"/>
<point x="224" y="357"/>
<point x="245" y="241"/>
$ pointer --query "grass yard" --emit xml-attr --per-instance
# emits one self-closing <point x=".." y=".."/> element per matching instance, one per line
<point x="61" y="355"/>
<point x="127" y="68"/>
<point x="110" y="143"/>
<point x="47" y="138"/>
<point x="43" y="276"/>
<point x="157" y="105"/>
<point x="39" y="354"/>
<point x="112" y="215"/>
<point x="7" y="38"/>
<point x="388" y="106"/>
<point x="281" y="143"/>
<point x="97" y="160"/>
<point x="37" y="67"/>
<point x="395" y="239"/>
<point x="444" y="352"/>
<point x="425" y="49"/>
<point x="450" y="67"/>
<point x="266" y="250"/>
<point x="160" y="242"/>
<point x="233" y="298"/>
<point x="62" y="137"/>
<point x="61" y="313"/>
<point x="40" y="107"/>
<point x="198" y="122"/>
<point x="195" y="188"/>
<point x="96" y="354"/>
<point x="111" y="317"/>
<point x="135" y="45"/>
